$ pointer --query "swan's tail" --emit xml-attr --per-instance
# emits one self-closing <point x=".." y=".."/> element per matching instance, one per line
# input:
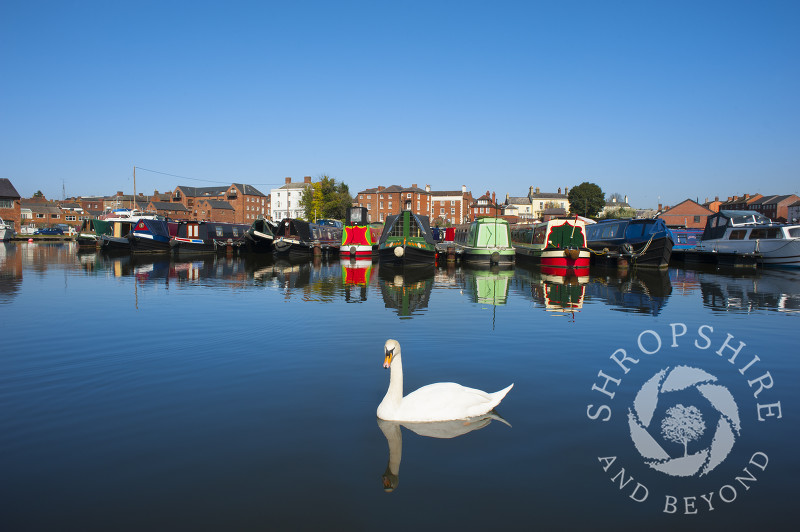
<point x="498" y="396"/>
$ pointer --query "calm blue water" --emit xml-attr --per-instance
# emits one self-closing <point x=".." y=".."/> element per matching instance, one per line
<point x="240" y="394"/>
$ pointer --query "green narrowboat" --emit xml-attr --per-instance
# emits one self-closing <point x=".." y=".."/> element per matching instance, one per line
<point x="485" y="241"/>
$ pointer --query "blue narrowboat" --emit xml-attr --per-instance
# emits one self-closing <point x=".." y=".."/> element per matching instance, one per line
<point x="630" y="241"/>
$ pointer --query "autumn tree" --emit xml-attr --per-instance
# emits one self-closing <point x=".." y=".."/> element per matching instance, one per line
<point x="326" y="198"/>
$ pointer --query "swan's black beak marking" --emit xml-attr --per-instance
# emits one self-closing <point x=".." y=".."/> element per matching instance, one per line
<point x="387" y="361"/>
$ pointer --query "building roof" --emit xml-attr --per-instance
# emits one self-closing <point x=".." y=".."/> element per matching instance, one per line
<point x="43" y="208"/>
<point x="7" y="190"/>
<point x="548" y="195"/>
<point x="295" y="186"/>
<point x="203" y="192"/>
<point x="518" y="200"/>
<point x="700" y="207"/>
<point x="70" y="205"/>
<point x="169" y="206"/>
<point x="219" y="204"/>
<point x="415" y="189"/>
<point x="249" y="190"/>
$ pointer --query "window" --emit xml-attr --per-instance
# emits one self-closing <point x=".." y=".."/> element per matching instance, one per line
<point x="697" y="219"/>
<point x="6" y="204"/>
<point x="771" y="232"/>
<point x="381" y="205"/>
<point x="737" y="234"/>
<point x="381" y="196"/>
<point x="69" y="218"/>
<point x="219" y="231"/>
<point x="39" y="215"/>
<point x="452" y="210"/>
<point x="54" y="216"/>
<point x="369" y="196"/>
<point x="452" y="202"/>
<point x="390" y="204"/>
<point x="441" y="211"/>
<point x="235" y="231"/>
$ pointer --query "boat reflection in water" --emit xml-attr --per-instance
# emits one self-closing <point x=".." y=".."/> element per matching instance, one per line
<point x="488" y="286"/>
<point x="557" y="293"/>
<point x="440" y="429"/>
<point x="356" y="276"/>
<point x="643" y="291"/>
<point x="768" y="289"/>
<point x="10" y="271"/>
<point x="407" y="290"/>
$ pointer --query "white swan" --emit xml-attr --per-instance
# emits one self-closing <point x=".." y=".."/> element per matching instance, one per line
<point x="442" y="401"/>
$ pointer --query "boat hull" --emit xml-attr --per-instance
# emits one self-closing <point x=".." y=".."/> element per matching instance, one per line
<point x="400" y="255"/>
<point x="504" y="257"/>
<point x="149" y="244"/>
<point x="652" y="254"/>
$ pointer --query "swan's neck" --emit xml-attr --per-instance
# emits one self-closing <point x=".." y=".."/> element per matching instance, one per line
<point x="395" y="393"/>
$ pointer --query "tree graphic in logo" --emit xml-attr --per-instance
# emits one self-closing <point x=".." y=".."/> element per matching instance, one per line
<point x="683" y="424"/>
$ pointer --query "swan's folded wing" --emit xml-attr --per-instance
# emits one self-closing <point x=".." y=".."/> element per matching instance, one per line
<point x="445" y="401"/>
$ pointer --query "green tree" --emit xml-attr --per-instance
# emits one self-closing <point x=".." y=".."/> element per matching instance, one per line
<point x="586" y="199"/>
<point x="38" y="194"/>
<point x="620" y="212"/>
<point x="326" y="198"/>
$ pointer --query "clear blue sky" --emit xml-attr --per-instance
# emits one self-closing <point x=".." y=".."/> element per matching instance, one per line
<point x="668" y="100"/>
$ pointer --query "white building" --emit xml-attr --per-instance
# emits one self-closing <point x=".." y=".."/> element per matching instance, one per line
<point x="285" y="201"/>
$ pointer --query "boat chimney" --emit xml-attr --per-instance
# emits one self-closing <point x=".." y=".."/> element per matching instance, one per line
<point x="288" y="180"/>
<point x="307" y="179"/>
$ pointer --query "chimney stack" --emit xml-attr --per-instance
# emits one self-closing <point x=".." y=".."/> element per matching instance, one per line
<point x="716" y="198"/>
<point x="659" y="206"/>
<point x="288" y="180"/>
<point x="414" y="185"/>
<point x="537" y="190"/>
<point x="307" y="179"/>
<point x="427" y="188"/>
<point x="566" y="191"/>
<point x="380" y="188"/>
<point x="626" y="198"/>
<point x="463" y="189"/>
<point x="559" y="190"/>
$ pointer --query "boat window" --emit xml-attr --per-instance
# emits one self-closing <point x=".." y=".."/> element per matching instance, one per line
<point x="235" y="231"/>
<point x="397" y="228"/>
<point x="737" y="234"/>
<point x="413" y="227"/>
<point x="611" y="231"/>
<point x="794" y="232"/>
<point x="219" y="230"/>
<point x="538" y="234"/>
<point x="767" y="232"/>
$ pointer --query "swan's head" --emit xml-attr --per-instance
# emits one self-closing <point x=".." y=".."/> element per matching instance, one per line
<point x="390" y="351"/>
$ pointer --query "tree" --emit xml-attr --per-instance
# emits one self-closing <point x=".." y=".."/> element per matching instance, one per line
<point x="620" y="212"/>
<point x="326" y="199"/>
<point x="586" y="199"/>
<point x="616" y="196"/>
<point x="38" y="194"/>
<point x="683" y="425"/>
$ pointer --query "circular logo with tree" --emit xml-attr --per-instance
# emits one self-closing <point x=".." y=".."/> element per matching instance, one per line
<point x="668" y="422"/>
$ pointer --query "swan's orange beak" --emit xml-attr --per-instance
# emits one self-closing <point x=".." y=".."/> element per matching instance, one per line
<point x="387" y="361"/>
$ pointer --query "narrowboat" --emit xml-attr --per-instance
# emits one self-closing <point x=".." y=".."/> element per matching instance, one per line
<point x="752" y="233"/>
<point x="685" y="239"/>
<point x="208" y="237"/>
<point x="407" y="240"/>
<point x="558" y="246"/>
<point x="260" y="236"/>
<point x="485" y="241"/>
<point x="122" y="222"/>
<point x="88" y="238"/>
<point x="359" y="239"/>
<point x="299" y="238"/>
<point x="630" y="241"/>
<point x="152" y="235"/>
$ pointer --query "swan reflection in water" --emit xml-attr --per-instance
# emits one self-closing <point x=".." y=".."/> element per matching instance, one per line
<point x="440" y="429"/>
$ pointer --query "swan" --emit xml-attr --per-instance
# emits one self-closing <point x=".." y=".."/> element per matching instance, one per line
<point x="441" y="401"/>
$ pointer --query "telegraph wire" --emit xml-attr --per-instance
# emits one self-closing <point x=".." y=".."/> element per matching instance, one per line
<point x="203" y="180"/>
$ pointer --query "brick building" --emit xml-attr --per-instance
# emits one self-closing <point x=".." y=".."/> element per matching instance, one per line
<point x="532" y="206"/>
<point x="738" y="203"/>
<point x="450" y="207"/>
<point x="774" y="207"/>
<point x="175" y="211"/>
<point x="246" y="202"/>
<point x="485" y="206"/>
<point x="385" y="201"/>
<point x="687" y="213"/>
<point x="213" y="210"/>
<point x="10" y="204"/>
